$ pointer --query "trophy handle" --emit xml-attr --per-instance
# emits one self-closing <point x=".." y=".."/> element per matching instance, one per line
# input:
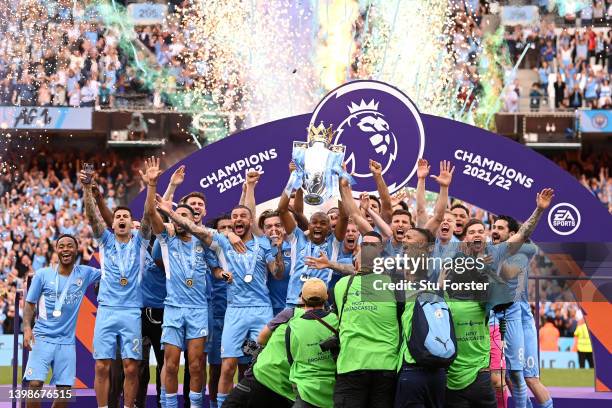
<point x="337" y="148"/>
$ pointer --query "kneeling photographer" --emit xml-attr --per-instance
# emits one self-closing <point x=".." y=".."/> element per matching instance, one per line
<point x="312" y="341"/>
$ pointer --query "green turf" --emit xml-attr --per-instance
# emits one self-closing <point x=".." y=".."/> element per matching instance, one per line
<point x="556" y="377"/>
<point x="550" y="377"/>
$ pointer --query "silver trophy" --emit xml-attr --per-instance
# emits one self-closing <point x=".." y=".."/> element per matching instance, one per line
<point x="319" y="163"/>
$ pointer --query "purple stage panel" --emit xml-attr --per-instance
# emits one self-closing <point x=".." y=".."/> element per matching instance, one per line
<point x="562" y="397"/>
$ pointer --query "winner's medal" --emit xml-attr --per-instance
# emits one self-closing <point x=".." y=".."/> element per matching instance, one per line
<point x="248" y="278"/>
<point x="123" y="260"/>
<point x="59" y="301"/>
<point x="190" y="266"/>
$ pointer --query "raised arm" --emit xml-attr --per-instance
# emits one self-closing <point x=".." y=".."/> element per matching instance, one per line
<point x="383" y="227"/>
<point x="386" y="209"/>
<point x="97" y="225"/>
<point x="252" y="178"/>
<point x="283" y="209"/>
<point x="444" y="180"/>
<point x="421" y="212"/>
<point x="105" y="212"/>
<point x="149" y="178"/>
<point x="202" y="233"/>
<point x="351" y="209"/>
<point x="298" y="200"/>
<point x="543" y="200"/>
<point x="176" y="180"/>
<point x="340" y="229"/>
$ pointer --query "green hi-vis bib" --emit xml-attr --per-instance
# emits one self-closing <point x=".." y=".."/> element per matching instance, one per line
<point x="313" y="371"/>
<point x="369" y="332"/>
<point x="473" y="343"/>
<point x="272" y="366"/>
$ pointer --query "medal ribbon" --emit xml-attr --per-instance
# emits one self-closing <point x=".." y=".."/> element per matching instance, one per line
<point x="191" y="265"/>
<point x="60" y="302"/>
<point x="123" y="261"/>
<point x="243" y="259"/>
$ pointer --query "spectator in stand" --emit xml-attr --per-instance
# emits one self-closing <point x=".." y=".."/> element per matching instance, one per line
<point x="560" y="88"/>
<point x="549" y="336"/>
<point x="575" y="97"/>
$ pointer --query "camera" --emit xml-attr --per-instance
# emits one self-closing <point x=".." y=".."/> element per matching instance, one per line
<point x="251" y="348"/>
<point x="331" y="344"/>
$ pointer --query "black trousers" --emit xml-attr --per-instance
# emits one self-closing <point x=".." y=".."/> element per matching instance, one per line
<point x="365" y="389"/>
<point x="585" y="356"/>
<point x="420" y="388"/>
<point x="151" y="337"/>
<point x="478" y="394"/>
<point x="250" y="393"/>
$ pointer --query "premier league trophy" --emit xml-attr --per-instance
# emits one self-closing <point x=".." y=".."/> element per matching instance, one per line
<point x="318" y="166"/>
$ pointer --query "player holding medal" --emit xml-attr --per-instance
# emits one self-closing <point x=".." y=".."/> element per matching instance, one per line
<point x="122" y="259"/>
<point x="59" y="289"/>
<point x="248" y="299"/>
<point x="186" y="263"/>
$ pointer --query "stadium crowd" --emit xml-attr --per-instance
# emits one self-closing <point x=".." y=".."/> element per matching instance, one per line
<point x="573" y="64"/>
<point x="40" y="199"/>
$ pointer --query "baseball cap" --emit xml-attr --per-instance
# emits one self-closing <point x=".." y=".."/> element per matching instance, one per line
<point x="314" y="288"/>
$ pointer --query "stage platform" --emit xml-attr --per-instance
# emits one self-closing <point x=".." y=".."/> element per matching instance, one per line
<point x="563" y="398"/>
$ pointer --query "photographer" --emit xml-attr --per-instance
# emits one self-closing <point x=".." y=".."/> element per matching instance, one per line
<point x="311" y="340"/>
<point x="266" y="383"/>
<point x="369" y="335"/>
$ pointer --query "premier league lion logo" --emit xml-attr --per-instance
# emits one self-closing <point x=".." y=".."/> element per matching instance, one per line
<point x="366" y="130"/>
<point x="374" y="120"/>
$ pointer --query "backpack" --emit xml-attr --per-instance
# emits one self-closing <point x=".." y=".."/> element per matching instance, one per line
<point x="432" y="342"/>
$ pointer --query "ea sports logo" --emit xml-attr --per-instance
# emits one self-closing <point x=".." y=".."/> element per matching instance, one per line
<point x="564" y="219"/>
<point x="374" y="121"/>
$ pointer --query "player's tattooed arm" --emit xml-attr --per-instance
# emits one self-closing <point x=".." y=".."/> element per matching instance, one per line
<point x="298" y="199"/>
<point x="150" y="175"/>
<point x="277" y="266"/>
<point x="422" y="173"/>
<point x="543" y="200"/>
<point x="202" y="233"/>
<point x="386" y="209"/>
<point x="444" y="180"/>
<point x="105" y="212"/>
<point x="323" y="262"/>
<point x="252" y="177"/>
<point x="28" y="318"/>
<point x="97" y="225"/>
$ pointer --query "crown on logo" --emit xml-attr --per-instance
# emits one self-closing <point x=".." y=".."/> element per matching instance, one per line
<point x="320" y="133"/>
<point x="363" y="106"/>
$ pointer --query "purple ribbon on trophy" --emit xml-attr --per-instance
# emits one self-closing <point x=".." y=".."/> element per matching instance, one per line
<point x="318" y="166"/>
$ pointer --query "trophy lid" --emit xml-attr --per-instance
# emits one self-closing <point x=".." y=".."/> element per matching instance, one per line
<point x="320" y="134"/>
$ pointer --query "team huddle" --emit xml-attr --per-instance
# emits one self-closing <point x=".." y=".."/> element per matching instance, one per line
<point x="292" y="303"/>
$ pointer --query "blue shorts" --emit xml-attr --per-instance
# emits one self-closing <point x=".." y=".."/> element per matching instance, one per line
<point x="522" y="347"/>
<point x="213" y="345"/>
<point x="121" y="325"/>
<point x="242" y="323"/>
<point x="182" y="324"/>
<point x="60" y="358"/>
